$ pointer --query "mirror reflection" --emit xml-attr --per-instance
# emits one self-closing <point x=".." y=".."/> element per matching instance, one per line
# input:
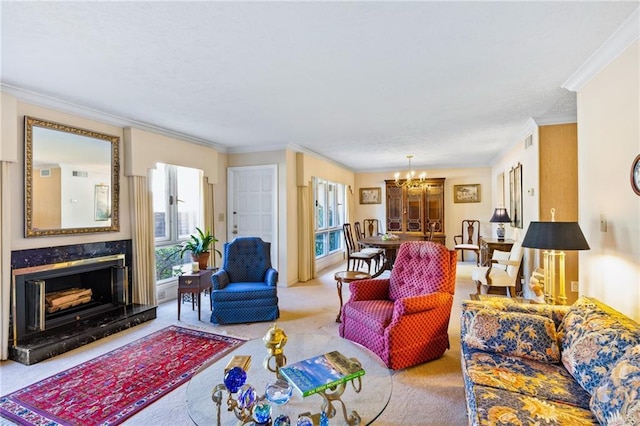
<point x="71" y="180"/>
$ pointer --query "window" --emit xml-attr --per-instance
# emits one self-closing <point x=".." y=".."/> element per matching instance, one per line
<point x="329" y="216"/>
<point x="177" y="211"/>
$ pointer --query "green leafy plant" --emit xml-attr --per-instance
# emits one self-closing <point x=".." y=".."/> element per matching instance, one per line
<point x="199" y="243"/>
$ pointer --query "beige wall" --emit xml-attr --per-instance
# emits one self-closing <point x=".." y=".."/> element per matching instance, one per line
<point x="454" y="212"/>
<point x="608" y="140"/>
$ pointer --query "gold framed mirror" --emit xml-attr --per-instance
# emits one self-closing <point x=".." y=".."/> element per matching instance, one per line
<point x="71" y="180"/>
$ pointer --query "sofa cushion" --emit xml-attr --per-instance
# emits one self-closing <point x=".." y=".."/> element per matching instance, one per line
<point x="514" y="333"/>
<point x="617" y="399"/>
<point x="525" y="376"/>
<point x="593" y="337"/>
<point x="500" y="407"/>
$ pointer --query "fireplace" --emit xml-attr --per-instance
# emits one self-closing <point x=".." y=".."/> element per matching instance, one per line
<point x="60" y="306"/>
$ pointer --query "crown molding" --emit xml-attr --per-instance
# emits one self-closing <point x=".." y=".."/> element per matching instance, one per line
<point x="617" y="43"/>
<point x="550" y="120"/>
<point x="57" y="104"/>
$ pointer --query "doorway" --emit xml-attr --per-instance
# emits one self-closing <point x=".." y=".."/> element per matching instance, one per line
<point x="253" y="204"/>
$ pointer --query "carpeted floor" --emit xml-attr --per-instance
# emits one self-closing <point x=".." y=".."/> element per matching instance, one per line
<point x="427" y="394"/>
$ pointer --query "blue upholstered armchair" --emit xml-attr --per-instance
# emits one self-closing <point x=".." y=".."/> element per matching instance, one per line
<point x="245" y="290"/>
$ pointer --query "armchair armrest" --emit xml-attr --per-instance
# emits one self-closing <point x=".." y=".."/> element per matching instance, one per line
<point x="457" y="239"/>
<point x="504" y="262"/>
<point x="271" y="277"/>
<point x="374" y="289"/>
<point x="424" y="302"/>
<point x="219" y="279"/>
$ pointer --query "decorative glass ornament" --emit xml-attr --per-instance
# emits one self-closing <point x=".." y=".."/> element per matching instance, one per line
<point x="247" y="396"/>
<point x="234" y="378"/>
<point x="262" y="412"/>
<point x="278" y="391"/>
<point x="304" y="421"/>
<point x="324" y="420"/>
<point x="282" y="420"/>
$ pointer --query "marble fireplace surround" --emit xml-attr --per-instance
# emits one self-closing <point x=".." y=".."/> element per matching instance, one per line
<point x="62" y="339"/>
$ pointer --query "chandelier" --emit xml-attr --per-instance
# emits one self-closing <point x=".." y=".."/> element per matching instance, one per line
<point x="411" y="180"/>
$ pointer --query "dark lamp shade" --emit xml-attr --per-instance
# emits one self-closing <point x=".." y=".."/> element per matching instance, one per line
<point x="500" y="215"/>
<point x="555" y="236"/>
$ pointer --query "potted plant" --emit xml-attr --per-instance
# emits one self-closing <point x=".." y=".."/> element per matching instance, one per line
<point x="200" y="245"/>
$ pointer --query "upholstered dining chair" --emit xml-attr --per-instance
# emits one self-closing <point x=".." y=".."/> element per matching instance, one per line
<point x="469" y="239"/>
<point x="404" y="318"/>
<point x="503" y="271"/>
<point x="360" y="235"/>
<point x="245" y="288"/>
<point x="355" y="257"/>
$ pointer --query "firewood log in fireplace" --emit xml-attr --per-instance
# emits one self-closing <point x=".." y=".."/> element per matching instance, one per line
<point x="64" y="299"/>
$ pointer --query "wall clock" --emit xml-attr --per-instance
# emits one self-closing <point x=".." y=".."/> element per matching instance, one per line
<point x="635" y="175"/>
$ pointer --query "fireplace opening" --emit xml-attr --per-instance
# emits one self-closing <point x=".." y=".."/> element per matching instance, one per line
<point x="48" y="297"/>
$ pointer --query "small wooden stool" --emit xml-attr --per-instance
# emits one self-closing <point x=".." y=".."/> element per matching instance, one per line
<point x="347" y="277"/>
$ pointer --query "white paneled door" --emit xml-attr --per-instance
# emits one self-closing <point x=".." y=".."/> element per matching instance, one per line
<point x="253" y="206"/>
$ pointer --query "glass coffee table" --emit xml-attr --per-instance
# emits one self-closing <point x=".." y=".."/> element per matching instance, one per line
<point x="369" y="403"/>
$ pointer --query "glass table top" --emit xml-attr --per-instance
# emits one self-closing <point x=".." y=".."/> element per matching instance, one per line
<point x="369" y="403"/>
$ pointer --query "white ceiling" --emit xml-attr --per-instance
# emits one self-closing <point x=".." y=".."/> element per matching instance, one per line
<point x="361" y="83"/>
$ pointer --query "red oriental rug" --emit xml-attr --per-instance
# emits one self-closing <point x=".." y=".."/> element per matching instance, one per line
<point x="111" y="388"/>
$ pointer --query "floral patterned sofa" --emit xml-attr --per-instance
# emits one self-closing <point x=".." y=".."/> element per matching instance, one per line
<point x="526" y="364"/>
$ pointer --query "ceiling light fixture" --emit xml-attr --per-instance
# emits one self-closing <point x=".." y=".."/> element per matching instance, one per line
<point x="410" y="181"/>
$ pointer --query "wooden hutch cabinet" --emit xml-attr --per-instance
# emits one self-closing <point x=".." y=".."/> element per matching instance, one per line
<point x="410" y="211"/>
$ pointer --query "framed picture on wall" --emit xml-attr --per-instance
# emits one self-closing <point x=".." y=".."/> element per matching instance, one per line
<point x="466" y="193"/>
<point x="371" y="195"/>
<point x="515" y="195"/>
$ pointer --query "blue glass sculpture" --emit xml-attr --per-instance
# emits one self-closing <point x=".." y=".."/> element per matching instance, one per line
<point x="324" y="420"/>
<point x="282" y="420"/>
<point x="279" y="392"/>
<point x="304" y="421"/>
<point x="234" y="378"/>
<point x="262" y="412"/>
<point x="247" y="396"/>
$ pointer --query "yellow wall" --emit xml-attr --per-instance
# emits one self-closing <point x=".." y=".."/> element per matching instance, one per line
<point x="608" y="140"/>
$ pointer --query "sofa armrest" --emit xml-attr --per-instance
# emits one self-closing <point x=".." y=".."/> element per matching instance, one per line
<point x="219" y="279"/>
<point x="271" y="277"/>
<point x="421" y="303"/>
<point x="373" y="289"/>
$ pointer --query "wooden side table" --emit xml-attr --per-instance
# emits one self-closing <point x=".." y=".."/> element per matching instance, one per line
<point x="193" y="283"/>
<point x="488" y="245"/>
<point x="347" y="277"/>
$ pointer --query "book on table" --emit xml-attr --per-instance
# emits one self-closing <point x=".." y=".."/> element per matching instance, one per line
<point x="321" y="372"/>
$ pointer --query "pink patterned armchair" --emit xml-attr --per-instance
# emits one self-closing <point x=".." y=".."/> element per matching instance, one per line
<point x="404" y="319"/>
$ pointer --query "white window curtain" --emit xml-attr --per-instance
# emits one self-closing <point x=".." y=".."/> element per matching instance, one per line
<point x="306" y="234"/>
<point x="209" y="216"/>
<point x="143" y="243"/>
<point x="5" y="259"/>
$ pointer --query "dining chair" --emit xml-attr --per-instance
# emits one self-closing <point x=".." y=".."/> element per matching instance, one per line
<point x="355" y="257"/>
<point x="359" y="236"/>
<point x="371" y="227"/>
<point x="432" y="227"/>
<point x="469" y="239"/>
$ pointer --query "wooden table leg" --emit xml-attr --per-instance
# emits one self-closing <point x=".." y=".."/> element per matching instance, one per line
<point x="339" y="288"/>
<point x="179" y="303"/>
<point x="198" y="306"/>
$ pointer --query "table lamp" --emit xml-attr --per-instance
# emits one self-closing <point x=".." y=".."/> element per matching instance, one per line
<point x="500" y="216"/>
<point x="554" y="237"/>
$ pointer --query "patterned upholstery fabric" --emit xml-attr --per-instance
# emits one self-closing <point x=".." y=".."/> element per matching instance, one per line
<point x="514" y="333"/>
<point x="245" y="288"/>
<point x="515" y="390"/>
<point x="593" y="337"/>
<point x="617" y="400"/>
<point x="404" y="319"/>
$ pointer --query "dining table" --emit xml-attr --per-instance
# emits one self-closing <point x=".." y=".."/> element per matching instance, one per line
<point x="390" y="245"/>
